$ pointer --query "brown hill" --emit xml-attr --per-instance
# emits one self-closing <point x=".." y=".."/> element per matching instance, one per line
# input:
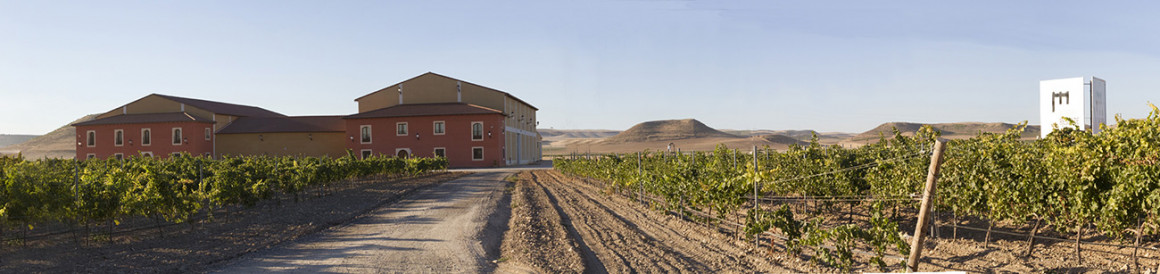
<point x="12" y="139"/>
<point x="779" y="139"/>
<point x="666" y="130"/>
<point x="60" y="143"/>
<point x="948" y="130"/>
<point x="576" y="133"/>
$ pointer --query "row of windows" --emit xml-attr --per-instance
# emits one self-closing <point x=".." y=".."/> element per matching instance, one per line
<point x="476" y="153"/>
<point x="146" y="137"/>
<point x="439" y="128"/>
<point x="120" y="156"/>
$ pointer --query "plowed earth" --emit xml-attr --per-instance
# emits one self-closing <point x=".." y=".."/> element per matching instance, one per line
<point x="561" y="224"/>
<point x="564" y="226"/>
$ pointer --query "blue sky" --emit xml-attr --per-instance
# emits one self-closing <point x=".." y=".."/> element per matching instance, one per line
<point x="823" y="65"/>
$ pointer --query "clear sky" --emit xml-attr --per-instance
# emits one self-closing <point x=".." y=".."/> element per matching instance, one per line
<point x="823" y="65"/>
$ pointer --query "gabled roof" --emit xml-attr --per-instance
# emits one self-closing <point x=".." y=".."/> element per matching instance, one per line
<point x="448" y="77"/>
<point x="285" y="124"/>
<point x="145" y="118"/>
<point x="409" y="110"/>
<point x="223" y="108"/>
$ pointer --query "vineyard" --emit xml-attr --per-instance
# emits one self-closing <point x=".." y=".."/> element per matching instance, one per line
<point x="95" y="192"/>
<point x="1072" y="182"/>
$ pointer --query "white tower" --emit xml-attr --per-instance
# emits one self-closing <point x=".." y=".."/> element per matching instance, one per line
<point x="1082" y="99"/>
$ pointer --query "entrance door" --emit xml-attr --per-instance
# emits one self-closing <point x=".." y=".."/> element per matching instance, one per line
<point x="402" y="154"/>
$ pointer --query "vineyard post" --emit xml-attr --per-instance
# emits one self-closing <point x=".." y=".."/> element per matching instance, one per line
<point x="755" y="201"/>
<point x="924" y="210"/>
<point x="639" y="173"/>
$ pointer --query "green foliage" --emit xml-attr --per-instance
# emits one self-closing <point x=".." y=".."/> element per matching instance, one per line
<point x="173" y="189"/>
<point x="1068" y="180"/>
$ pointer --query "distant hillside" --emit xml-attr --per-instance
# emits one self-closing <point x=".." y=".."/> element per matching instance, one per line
<point x="825" y="138"/>
<point x="60" y="143"/>
<point x="779" y="139"/>
<point x="666" y="130"/>
<point x="12" y="139"/>
<point x="948" y="130"/>
<point x="577" y="133"/>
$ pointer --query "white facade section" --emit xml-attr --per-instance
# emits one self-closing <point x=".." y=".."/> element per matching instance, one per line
<point x="1081" y="99"/>
<point x="1099" y="107"/>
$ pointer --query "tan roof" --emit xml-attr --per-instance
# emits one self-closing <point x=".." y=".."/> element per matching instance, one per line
<point x="449" y="77"/>
<point x="224" y="108"/>
<point x="285" y="124"/>
<point x="409" y="110"/>
<point x="145" y="118"/>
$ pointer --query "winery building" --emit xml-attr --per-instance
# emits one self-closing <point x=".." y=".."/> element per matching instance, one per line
<point x="425" y="116"/>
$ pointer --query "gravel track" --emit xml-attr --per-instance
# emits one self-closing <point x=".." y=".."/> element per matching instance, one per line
<point x="444" y="229"/>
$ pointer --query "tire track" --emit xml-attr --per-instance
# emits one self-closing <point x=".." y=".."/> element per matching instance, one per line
<point x="642" y="243"/>
<point x="618" y="242"/>
<point x="686" y="246"/>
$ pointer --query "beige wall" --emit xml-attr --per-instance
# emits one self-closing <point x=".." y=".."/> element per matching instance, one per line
<point x="331" y="144"/>
<point x="222" y="120"/>
<point x="523" y="141"/>
<point x="147" y="104"/>
<point x="157" y="104"/>
<point x="431" y="88"/>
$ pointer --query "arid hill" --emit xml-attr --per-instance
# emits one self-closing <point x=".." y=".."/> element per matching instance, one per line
<point x="779" y="139"/>
<point x="667" y="130"/>
<point x="948" y="130"/>
<point x="577" y="133"/>
<point x="12" y="139"/>
<point x="686" y="135"/>
<point x="60" y="143"/>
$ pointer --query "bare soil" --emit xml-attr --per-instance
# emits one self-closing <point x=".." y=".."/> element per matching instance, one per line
<point x="561" y="224"/>
<point x="187" y="248"/>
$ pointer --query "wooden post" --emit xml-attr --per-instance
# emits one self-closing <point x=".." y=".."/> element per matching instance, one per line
<point x="924" y="210"/>
<point x="755" y="201"/>
<point x="640" y="171"/>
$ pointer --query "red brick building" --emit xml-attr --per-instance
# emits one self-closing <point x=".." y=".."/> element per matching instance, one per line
<point x="468" y="135"/>
<point x="430" y="115"/>
<point x="158" y="126"/>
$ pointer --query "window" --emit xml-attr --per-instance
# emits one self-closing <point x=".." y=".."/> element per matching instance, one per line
<point x="118" y="137"/>
<point x="177" y="136"/>
<point x="476" y="131"/>
<point x="477" y="154"/>
<point x="441" y="152"/>
<point x="439" y="128"/>
<point x="119" y="156"/>
<point x="207" y="134"/>
<point x="147" y="154"/>
<point x="401" y="129"/>
<point x="90" y="156"/>
<point x="366" y="153"/>
<point x="175" y="154"/>
<point x="92" y="138"/>
<point x="146" y="137"/>
<point x="366" y="134"/>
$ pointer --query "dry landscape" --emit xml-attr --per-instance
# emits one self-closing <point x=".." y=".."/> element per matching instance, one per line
<point x="692" y="135"/>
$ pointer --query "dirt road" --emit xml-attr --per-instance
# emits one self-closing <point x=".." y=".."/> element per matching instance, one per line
<point x="564" y="225"/>
<point x="447" y="228"/>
